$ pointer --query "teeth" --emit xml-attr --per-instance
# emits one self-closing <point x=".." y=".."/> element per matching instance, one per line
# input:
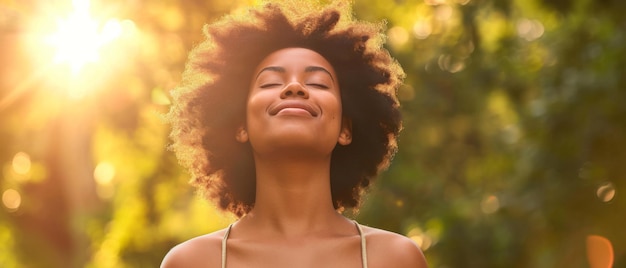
<point x="294" y="109"/>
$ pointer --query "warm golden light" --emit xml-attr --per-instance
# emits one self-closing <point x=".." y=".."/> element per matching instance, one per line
<point x="423" y="240"/>
<point x="104" y="173"/>
<point x="21" y="163"/>
<point x="530" y="29"/>
<point x="422" y="29"/>
<point x="434" y="2"/>
<point x="11" y="199"/>
<point x="443" y="12"/>
<point x="79" y="39"/>
<point x="398" y="36"/>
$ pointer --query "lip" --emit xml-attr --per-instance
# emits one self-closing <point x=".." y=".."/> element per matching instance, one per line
<point x="274" y="110"/>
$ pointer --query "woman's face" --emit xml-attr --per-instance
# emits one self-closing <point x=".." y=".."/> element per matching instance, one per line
<point x="295" y="103"/>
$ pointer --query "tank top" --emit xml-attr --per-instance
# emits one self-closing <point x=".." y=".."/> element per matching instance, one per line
<point x="358" y="227"/>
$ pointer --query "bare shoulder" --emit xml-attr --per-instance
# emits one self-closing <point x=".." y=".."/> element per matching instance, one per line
<point x="388" y="249"/>
<point x="199" y="252"/>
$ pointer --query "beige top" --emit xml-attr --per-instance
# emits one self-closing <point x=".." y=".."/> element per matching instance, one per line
<point x="358" y="227"/>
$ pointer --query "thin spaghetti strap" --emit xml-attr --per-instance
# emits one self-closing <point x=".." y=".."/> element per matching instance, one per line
<point x="224" y="245"/>
<point x="363" y="245"/>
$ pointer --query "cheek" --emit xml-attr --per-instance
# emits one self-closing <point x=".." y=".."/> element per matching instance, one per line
<point x="255" y="109"/>
<point x="333" y="105"/>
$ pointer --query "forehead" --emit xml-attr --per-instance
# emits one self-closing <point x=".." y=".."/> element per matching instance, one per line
<point x="295" y="57"/>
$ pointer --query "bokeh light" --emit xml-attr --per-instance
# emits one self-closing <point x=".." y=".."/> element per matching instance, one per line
<point x="600" y="253"/>
<point x="530" y="29"/>
<point x="422" y="239"/>
<point x="422" y="29"/>
<point x="490" y="204"/>
<point x="21" y="163"/>
<point x="104" y="173"/>
<point x="448" y="63"/>
<point x="443" y="12"/>
<point x="606" y="192"/>
<point x="398" y="36"/>
<point x="11" y="199"/>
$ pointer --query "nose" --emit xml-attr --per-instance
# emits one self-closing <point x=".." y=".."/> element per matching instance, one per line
<point x="294" y="89"/>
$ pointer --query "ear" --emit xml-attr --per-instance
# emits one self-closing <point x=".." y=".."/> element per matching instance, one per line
<point x="345" y="135"/>
<point x="241" y="135"/>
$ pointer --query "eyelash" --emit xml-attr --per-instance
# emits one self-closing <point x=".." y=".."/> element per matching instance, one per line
<point x="319" y="85"/>
<point x="269" y="85"/>
<point x="310" y="84"/>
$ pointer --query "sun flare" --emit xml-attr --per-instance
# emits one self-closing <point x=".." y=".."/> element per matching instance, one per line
<point x="79" y="37"/>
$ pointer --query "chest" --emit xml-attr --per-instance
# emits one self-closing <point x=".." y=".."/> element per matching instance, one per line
<point x="305" y="253"/>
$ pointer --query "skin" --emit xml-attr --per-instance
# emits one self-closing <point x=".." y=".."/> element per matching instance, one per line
<point x="294" y="120"/>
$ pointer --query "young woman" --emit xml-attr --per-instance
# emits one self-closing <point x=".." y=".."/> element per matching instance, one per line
<point x="285" y="114"/>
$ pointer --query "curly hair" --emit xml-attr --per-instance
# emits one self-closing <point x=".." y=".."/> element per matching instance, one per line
<point x="210" y="102"/>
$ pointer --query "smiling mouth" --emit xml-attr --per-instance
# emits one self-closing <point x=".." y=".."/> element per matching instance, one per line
<point x="293" y="107"/>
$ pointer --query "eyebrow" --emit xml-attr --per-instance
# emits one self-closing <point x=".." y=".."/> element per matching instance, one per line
<point x="308" y="69"/>
<point x="271" y="68"/>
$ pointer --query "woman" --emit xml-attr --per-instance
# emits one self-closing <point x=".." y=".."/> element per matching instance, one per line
<point x="285" y="114"/>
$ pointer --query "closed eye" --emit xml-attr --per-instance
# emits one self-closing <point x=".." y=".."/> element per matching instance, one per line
<point x="322" y="86"/>
<point x="269" y="85"/>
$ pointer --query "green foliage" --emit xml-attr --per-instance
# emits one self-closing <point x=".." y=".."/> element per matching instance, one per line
<point x="512" y="154"/>
<point x="497" y="149"/>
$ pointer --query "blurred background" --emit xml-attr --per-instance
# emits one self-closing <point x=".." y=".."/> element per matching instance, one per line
<point x="513" y="152"/>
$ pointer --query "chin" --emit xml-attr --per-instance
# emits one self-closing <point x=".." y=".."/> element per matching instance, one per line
<point x="295" y="144"/>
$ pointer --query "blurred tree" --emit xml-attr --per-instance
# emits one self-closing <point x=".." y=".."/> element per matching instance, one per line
<point x="513" y="143"/>
<point x="511" y="156"/>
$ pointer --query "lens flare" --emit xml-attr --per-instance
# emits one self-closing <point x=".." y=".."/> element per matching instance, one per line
<point x="79" y="38"/>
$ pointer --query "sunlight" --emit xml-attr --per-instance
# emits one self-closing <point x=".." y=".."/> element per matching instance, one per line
<point x="79" y="39"/>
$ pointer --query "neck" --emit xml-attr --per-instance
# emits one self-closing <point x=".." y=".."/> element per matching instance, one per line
<point x="293" y="195"/>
